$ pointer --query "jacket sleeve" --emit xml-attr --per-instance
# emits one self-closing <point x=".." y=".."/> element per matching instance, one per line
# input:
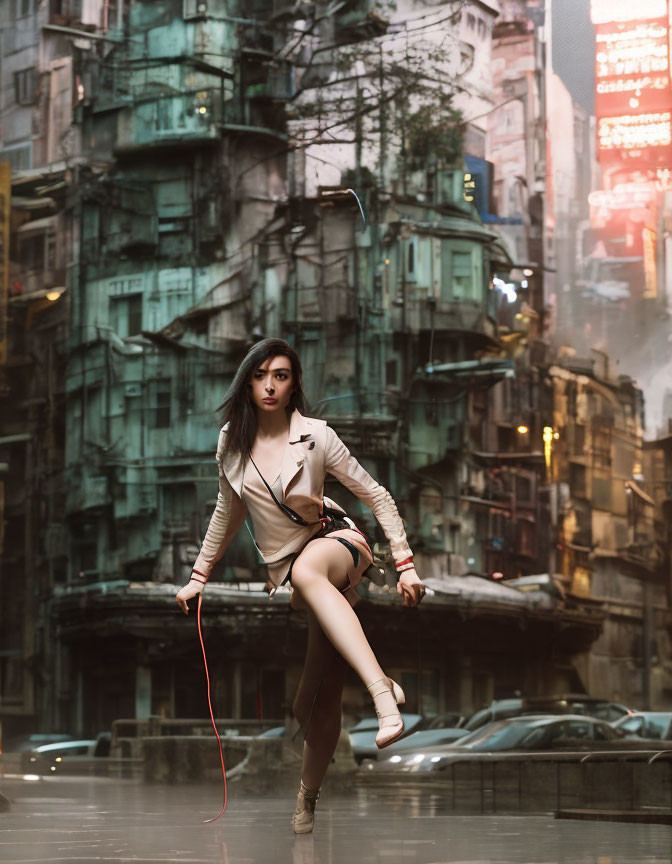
<point x="228" y="515"/>
<point x="346" y="469"/>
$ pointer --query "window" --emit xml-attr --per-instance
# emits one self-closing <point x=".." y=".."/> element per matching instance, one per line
<point x="178" y="503"/>
<point x="126" y="315"/>
<point x="577" y="480"/>
<point x="601" y="733"/>
<point x="23" y="8"/>
<point x="526" y="538"/>
<point x="578" y="729"/>
<point x="471" y="21"/>
<point x="601" y="493"/>
<point x="31" y="252"/>
<point x="161" y="397"/>
<point x="431" y="412"/>
<point x="411" y="256"/>
<point x="523" y="489"/>
<point x="25" y="86"/>
<point x="534" y="739"/>
<point x="462" y="273"/>
<point x="391" y="373"/>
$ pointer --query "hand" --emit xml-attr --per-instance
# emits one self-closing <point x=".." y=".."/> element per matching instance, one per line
<point x="410" y="587"/>
<point x="190" y="590"/>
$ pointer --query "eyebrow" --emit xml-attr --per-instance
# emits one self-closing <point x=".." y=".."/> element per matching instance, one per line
<point x="281" y="369"/>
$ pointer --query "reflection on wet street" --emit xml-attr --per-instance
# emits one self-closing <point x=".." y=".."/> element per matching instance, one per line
<point x="111" y="820"/>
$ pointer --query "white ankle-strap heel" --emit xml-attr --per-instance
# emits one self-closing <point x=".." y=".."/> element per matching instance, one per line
<point x="390" y="724"/>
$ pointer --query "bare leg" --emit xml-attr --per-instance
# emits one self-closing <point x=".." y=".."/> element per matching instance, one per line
<point x="318" y="574"/>
<point x="317" y="705"/>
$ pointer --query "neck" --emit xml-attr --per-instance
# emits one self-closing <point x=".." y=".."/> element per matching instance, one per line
<point x="272" y="425"/>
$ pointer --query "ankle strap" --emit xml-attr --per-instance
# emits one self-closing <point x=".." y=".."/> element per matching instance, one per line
<point x="310" y="794"/>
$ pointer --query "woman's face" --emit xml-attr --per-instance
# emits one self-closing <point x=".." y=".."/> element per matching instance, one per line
<point x="272" y="385"/>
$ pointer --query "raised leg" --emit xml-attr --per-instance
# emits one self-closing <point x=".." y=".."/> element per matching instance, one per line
<point x="318" y="574"/>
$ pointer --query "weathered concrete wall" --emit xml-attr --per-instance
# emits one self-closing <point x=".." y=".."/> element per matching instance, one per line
<point x="254" y="764"/>
<point x="542" y="785"/>
<point x="184" y="759"/>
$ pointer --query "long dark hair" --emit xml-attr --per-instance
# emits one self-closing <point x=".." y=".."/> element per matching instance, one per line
<point x="238" y="409"/>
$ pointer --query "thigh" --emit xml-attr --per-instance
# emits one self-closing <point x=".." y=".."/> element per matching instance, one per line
<point x="324" y="557"/>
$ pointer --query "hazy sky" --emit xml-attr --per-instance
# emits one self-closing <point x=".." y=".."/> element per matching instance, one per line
<point x="573" y="48"/>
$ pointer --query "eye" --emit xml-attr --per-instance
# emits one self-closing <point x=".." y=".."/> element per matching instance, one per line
<point x="282" y="375"/>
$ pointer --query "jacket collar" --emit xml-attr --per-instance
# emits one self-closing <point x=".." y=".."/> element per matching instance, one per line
<point x="300" y="434"/>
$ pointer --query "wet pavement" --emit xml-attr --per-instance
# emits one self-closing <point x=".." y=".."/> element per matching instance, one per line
<point x="93" y="819"/>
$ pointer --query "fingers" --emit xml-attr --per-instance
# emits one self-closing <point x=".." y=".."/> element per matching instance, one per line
<point x="412" y="594"/>
<point x="182" y="603"/>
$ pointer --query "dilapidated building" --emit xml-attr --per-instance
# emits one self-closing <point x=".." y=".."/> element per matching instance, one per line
<point x="228" y="179"/>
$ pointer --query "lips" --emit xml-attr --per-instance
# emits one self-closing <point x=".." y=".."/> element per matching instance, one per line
<point x="270" y="401"/>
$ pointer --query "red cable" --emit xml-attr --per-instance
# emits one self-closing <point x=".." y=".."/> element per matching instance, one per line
<point x="212" y="717"/>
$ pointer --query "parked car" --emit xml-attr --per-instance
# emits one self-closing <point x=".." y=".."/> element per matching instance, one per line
<point x="274" y="732"/>
<point x="586" y="706"/>
<point x="449" y="720"/>
<point x="363" y="735"/>
<point x="424" y="738"/>
<point x="48" y="758"/>
<point x="540" y="732"/>
<point x="653" y="725"/>
<point x="535" y="733"/>
<point x="21" y="743"/>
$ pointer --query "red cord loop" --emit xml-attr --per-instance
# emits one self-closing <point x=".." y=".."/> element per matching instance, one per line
<point x="212" y="716"/>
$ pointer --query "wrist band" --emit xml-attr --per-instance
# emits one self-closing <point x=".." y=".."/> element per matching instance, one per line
<point x="406" y="564"/>
<point x="194" y="570"/>
<point x="196" y="579"/>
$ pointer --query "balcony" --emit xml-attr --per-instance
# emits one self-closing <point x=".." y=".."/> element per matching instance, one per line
<point x="170" y="121"/>
<point x="256" y="115"/>
<point x="426" y="313"/>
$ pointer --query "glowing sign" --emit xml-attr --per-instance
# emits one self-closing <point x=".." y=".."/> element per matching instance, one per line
<point x="607" y="11"/>
<point x="469" y="188"/>
<point x="632" y="68"/>
<point x="635" y="131"/>
<point x="624" y="196"/>
<point x="663" y="179"/>
<point x="650" y="272"/>
<point x="547" y="438"/>
<point x="633" y="50"/>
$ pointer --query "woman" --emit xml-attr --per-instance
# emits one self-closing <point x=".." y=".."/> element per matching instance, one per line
<point x="272" y="464"/>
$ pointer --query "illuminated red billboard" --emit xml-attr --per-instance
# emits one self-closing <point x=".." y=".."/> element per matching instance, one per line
<point x="633" y="102"/>
<point x="632" y="68"/>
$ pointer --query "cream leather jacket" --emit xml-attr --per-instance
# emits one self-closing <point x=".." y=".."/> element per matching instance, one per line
<point x="314" y="450"/>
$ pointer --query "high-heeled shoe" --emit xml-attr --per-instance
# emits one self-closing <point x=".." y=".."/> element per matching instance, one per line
<point x="304" y="815"/>
<point x="390" y="723"/>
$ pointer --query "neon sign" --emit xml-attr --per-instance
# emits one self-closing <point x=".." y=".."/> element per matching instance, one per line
<point x="632" y="68"/>
<point x="624" y="196"/>
<point x="635" y="131"/>
<point x="608" y="11"/>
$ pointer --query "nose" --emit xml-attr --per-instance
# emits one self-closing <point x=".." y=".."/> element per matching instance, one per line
<point x="269" y="384"/>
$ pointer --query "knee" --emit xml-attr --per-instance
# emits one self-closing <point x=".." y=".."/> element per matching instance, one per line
<point x="302" y="573"/>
